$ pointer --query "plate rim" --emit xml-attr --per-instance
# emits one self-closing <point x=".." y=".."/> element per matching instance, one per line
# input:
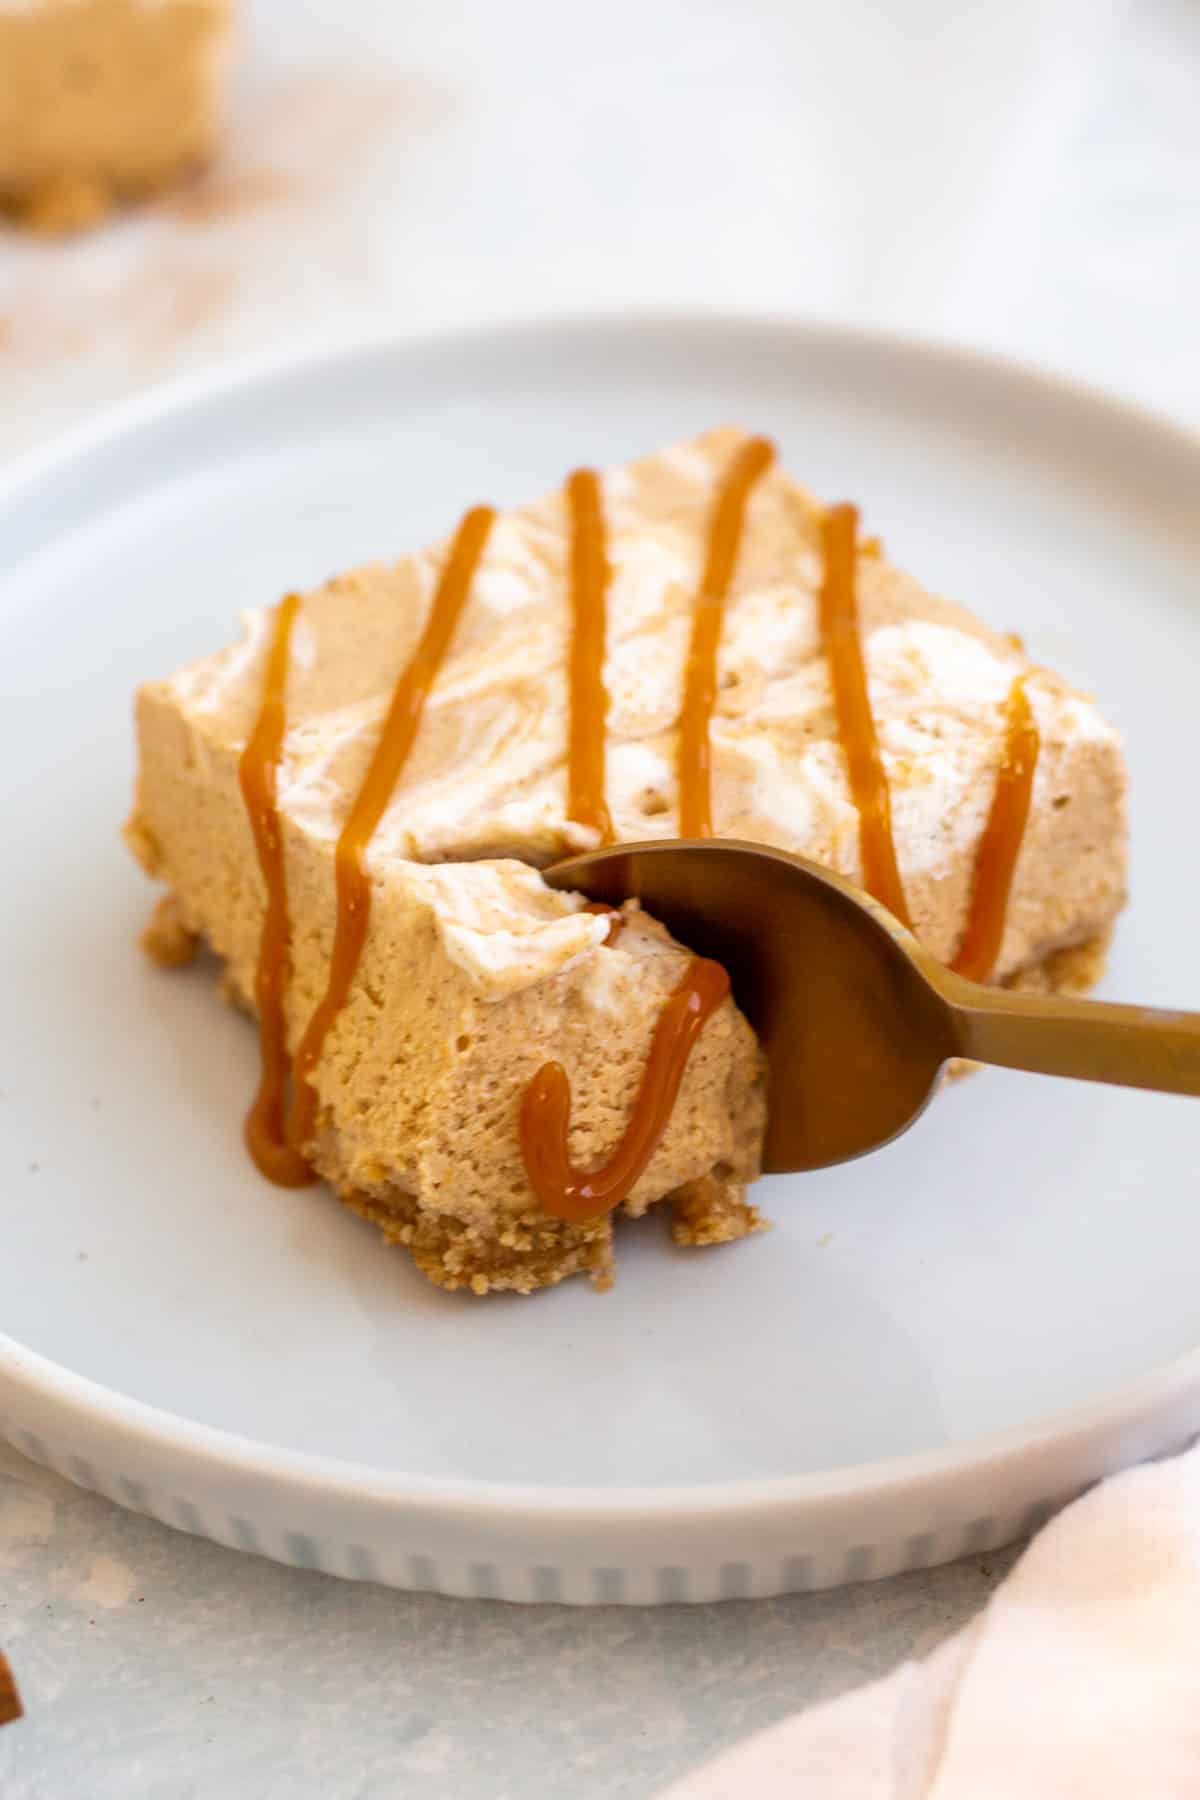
<point x="154" y="1429"/>
<point x="212" y="1449"/>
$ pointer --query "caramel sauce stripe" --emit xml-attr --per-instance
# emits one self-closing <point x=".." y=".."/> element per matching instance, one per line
<point x="842" y="639"/>
<point x="588" y="697"/>
<point x="1003" y="835"/>
<point x="726" y="526"/>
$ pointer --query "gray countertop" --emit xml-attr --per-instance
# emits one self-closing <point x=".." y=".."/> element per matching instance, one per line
<point x="1022" y="177"/>
<point x="158" y="1665"/>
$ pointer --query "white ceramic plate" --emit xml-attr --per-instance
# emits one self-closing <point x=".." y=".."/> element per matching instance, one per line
<point x="930" y="1350"/>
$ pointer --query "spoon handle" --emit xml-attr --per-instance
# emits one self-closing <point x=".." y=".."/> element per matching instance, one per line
<point x="1129" y="1046"/>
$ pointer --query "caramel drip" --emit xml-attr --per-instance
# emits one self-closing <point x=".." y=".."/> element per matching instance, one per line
<point x="754" y="457"/>
<point x="258" y="771"/>
<point x="856" y="723"/>
<point x="586" y="803"/>
<point x="1000" y="845"/>
<point x="616" y="922"/>
<point x="370" y="803"/>
<point x="577" y="1194"/>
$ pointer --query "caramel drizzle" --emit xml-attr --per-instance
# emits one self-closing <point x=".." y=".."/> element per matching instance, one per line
<point x="700" y="678"/>
<point x="856" y="722"/>
<point x="586" y="803"/>
<point x="371" y="802"/>
<point x="616" y="920"/>
<point x="258" y="772"/>
<point x="1000" y="845"/>
<point x="577" y="1195"/>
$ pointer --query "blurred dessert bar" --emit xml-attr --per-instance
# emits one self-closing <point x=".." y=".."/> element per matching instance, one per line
<point x="103" y="101"/>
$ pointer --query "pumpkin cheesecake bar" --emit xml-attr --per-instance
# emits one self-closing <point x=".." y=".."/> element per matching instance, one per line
<point x="683" y="645"/>
<point x="104" y="100"/>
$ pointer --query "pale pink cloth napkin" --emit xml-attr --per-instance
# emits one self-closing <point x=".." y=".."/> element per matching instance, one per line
<point x="1079" y="1681"/>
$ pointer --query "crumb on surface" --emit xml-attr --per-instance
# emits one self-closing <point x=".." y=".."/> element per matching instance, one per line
<point x="61" y="205"/>
<point x="712" y="1210"/>
<point x="166" y="940"/>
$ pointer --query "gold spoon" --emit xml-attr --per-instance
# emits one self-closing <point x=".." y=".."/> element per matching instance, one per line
<point x="857" y="1020"/>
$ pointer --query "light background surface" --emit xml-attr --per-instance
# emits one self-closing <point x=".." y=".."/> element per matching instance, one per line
<point x="1021" y="177"/>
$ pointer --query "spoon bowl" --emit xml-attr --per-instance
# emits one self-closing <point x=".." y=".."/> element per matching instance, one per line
<point x="856" y="1019"/>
